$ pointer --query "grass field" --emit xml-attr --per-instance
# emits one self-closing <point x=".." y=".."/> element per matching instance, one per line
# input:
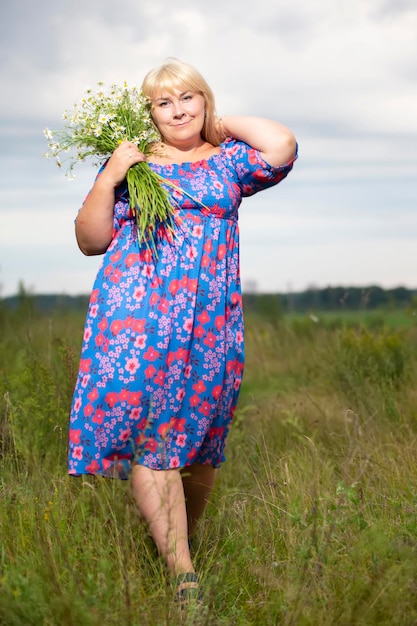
<point x="313" y="517"/>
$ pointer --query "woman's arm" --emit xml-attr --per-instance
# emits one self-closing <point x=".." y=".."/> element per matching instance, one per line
<point x="94" y="223"/>
<point x="275" y="141"/>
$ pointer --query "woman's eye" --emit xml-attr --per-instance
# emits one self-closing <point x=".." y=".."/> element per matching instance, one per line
<point x="187" y="97"/>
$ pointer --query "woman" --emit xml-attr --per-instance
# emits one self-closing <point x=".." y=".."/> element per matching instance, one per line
<point x="162" y="357"/>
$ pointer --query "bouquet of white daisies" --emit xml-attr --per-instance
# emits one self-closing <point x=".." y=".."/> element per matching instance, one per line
<point x="95" y="127"/>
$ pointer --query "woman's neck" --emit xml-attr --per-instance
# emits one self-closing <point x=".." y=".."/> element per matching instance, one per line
<point x="166" y="153"/>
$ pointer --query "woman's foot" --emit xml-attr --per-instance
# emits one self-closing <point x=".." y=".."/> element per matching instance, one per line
<point x="187" y="590"/>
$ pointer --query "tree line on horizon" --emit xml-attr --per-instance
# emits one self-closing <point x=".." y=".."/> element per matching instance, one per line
<point x="311" y="299"/>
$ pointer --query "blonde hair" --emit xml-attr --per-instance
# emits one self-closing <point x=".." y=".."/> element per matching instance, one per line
<point x="175" y="74"/>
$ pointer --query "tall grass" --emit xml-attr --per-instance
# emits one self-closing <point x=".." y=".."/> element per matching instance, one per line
<point x="313" y="517"/>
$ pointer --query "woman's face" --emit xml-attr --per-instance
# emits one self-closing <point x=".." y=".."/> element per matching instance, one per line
<point x="179" y="115"/>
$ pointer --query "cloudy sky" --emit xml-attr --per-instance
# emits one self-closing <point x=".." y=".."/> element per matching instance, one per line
<point x="341" y="74"/>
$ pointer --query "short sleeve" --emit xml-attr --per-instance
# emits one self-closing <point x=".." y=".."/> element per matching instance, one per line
<point x="252" y="171"/>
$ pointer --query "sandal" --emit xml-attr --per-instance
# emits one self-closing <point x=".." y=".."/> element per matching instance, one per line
<point x="187" y="589"/>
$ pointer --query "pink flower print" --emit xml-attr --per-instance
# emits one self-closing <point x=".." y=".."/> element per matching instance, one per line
<point x="148" y="270"/>
<point x="111" y="398"/>
<point x="142" y="424"/>
<point x="192" y="285"/>
<point x="208" y="246"/>
<point x="197" y="231"/>
<point x="123" y="395"/>
<point x="174" y="462"/>
<point x="192" y="454"/>
<point x="134" y="397"/>
<point x="181" y="440"/>
<point x="131" y="259"/>
<point x="154" y="299"/>
<point x="103" y="324"/>
<point x="210" y="340"/>
<point x="205" y="408"/>
<point x="184" y="282"/>
<point x="239" y="336"/>
<point x="74" y="435"/>
<point x="98" y="416"/>
<point x="94" y="296"/>
<point x="238" y="368"/>
<point x="77" y="452"/>
<point x="93" y="395"/>
<point x="156" y="282"/>
<point x="108" y="270"/>
<point x="99" y="341"/>
<point x="171" y="357"/>
<point x="191" y="252"/>
<point x="221" y="251"/>
<point x="116" y="276"/>
<point x="151" y="445"/>
<point x="106" y="464"/>
<point x="140" y="341"/>
<point x="188" y="324"/>
<point x="125" y="434"/>
<point x="179" y="424"/>
<point x="219" y="322"/>
<point x="93" y="467"/>
<point x="116" y="256"/>
<point x="204" y="317"/>
<point x="139" y="292"/>
<point x="116" y="326"/>
<point x="205" y="260"/>
<point x="135" y="413"/>
<point x="77" y="405"/>
<point x="173" y="287"/>
<point x="151" y="354"/>
<point x="183" y="354"/>
<point x="146" y="255"/>
<point x="199" y="332"/>
<point x="88" y="410"/>
<point x="216" y="431"/>
<point x="128" y="322"/>
<point x="84" y="381"/>
<point x="199" y="387"/>
<point x="164" y="232"/>
<point x="163" y="306"/>
<point x="138" y="325"/>
<point x="236" y="298"/>
<point x="150" y="371"/>
<point x="87" y="333"/>
<point x="217" y="392"/>
<point x="159" y="378"/>
<point x="93" y="310"/>
<point x="195" y="400"/>
<point x="164" y="428"/>
<point x="187" y="371"/>
<point x="180" y="395"/>
<point x="230" y="366"/>
<point x="132" y="365"/>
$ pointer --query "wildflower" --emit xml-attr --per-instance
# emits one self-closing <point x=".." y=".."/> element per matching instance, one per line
<point x="95" y="126"/>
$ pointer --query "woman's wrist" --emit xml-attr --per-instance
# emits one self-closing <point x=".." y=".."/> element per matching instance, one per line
<point x="220" y="128"/>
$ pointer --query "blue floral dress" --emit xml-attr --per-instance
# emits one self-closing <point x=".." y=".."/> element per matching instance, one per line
<point x="162" y="356"/>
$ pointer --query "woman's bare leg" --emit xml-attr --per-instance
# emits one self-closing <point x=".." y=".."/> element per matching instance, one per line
<point x="198" y="481"/>
<point x="159" y="496"/>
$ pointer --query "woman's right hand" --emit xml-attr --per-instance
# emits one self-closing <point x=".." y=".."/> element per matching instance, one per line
<point x="125" y="155"/>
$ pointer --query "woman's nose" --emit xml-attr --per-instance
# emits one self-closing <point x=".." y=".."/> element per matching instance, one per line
<point x="178" y="112"/>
